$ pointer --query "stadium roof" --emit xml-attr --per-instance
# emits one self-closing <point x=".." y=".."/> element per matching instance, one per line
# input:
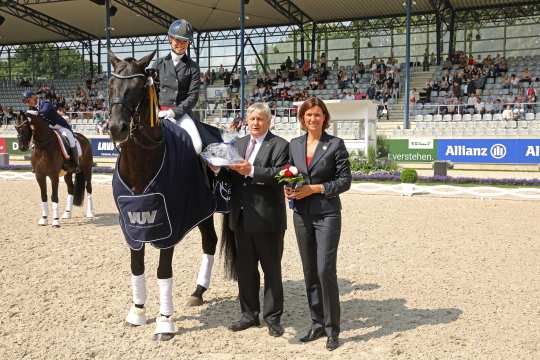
<point x="34" y="21"/>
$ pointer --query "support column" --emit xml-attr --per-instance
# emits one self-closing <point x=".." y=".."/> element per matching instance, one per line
<point x="108" y="34"/>
<point x="33" y="62"/>
<point x="198" y="48"/>
<point x="132" y="49"/>
<point x="99" y="57"/>
<point x="83" y="67"/>
<point x="302" y="55"/>
<point x="242" y="42"/>
<point x="313" y="39"/>
<point x="265" y="50"/>
<point x="9" y="63"/>
<point x="438" y="29"/>
<point x="452" y="31"/>
<point x="504" y="39"/>
<point x="407" y="64"/>
<point x="91" y="54"/>
<point x="209" y="50"/>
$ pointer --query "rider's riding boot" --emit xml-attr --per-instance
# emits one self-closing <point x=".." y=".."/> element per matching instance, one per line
<point x="75" y="159"/>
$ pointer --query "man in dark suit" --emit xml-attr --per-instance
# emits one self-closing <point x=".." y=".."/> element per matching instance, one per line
<point x="258" y="220"/>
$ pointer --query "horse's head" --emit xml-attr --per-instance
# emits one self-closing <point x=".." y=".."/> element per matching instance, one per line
<point x="24" y="130"/>
<point x="127" y="89"/>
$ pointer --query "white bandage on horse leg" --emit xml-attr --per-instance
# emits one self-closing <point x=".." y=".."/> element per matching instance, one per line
<point x="205" y="271"/>
<point x="138" y="288"/>
<point x="55" y="210"/>
<point x="44" y="209"/>
<point x="166" y="306"/>
<point x="187" y="123"/>
<point x="69" y="203"/>
<point x="89" y="206"/>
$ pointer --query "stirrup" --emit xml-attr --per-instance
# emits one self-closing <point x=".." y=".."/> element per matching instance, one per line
<point x="136" y="316"/>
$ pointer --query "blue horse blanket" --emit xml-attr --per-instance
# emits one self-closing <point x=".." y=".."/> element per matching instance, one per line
<point x="176" y="200"/>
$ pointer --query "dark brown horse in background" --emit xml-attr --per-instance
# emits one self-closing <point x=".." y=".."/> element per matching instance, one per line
<point x="48" y="161"/>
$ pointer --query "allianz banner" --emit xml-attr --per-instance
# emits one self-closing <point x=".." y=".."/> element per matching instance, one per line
<point x="103" y="147"/>
<point x="498" y="151"/>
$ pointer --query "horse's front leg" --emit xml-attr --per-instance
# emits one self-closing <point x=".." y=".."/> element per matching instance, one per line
<point x="42" y="182"/>
<point x="165" y="326"/>
<point x="68" y="178"/>
<point x="137" y="313"/>
<point x="54" y="201"/>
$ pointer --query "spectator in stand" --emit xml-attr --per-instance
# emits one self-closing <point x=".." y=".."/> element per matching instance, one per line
<point x="2" y="115"/>
<point x="221" y="71"/>
<point x="531" y="98"/>
<point x="226" y="78"/>
<point x="323" y="62"/>
<point x="10" y="116"/>
<point x="526" y="77"/>
<point x="507" y="114"/>
<point x="514" y="82"/>
<point x="335" y="64"/>
<point x="425" y="63"/>
<point x="289" y="63"/>
<point x="413" y="97"/>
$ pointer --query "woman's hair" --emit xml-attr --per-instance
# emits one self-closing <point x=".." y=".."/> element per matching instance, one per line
<point x="310" y="103"/>
<point x="260" y="107"/>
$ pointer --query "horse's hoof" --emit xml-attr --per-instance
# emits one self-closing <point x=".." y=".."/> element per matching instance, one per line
<point x="56" y="223"/>
<point x="165" y="329"/>
<point x="42" y="221"/>
<point x="89" y="215"/>
<point x="66" y="215"/>
<point x="163" y="337"/>
<point x="136" y="316"/>
<point x="195" y="301"/>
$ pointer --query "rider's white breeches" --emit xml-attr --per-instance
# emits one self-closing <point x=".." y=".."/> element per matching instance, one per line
<point x="187" y="123"/>
<point x="68" y="134"/>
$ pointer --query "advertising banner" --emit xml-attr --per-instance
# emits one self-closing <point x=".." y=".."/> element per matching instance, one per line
<point x="13" y="147"/>
<point x="411" y="150"/>
<point x="494" y="151"/>
<point x="3" y="146"/>
<point x="103" y="147"/>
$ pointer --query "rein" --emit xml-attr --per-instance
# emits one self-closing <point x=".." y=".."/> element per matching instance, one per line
<point x="135" y="113"/>
<point x="37" y="143"/>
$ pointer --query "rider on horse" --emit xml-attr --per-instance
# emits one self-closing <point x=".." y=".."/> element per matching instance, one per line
<point x="179" y="82"/>
<point x="47" y="111"/>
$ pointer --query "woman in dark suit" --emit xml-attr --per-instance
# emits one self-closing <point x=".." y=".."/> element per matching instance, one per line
<point x="323" y="160"/>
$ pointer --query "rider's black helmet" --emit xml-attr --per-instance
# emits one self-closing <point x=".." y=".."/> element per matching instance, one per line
<point x="182" y="30"/>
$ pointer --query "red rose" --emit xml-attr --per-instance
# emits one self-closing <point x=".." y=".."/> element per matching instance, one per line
<point x="287" y="166"/>
<point x="288" y="173"/>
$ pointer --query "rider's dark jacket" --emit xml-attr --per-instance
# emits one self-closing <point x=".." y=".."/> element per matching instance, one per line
<point x="49" y="113"/>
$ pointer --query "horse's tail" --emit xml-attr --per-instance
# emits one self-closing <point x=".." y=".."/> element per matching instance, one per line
<point x="228" y="249"/>
<point x="78" y="190"/>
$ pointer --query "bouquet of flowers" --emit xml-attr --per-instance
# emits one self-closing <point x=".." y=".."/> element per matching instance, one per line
<point x="291" y="178"/>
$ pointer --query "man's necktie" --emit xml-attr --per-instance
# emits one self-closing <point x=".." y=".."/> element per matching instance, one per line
<point x="250" y="148"/>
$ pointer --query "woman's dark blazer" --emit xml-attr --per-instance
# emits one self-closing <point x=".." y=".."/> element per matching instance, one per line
<point x="330" y="166"/>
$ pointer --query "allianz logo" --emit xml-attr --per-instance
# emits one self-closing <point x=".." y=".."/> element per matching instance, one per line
<point x="105" y="145"/>
<point x="497" y="151"/>
<point x="142" y="217"/>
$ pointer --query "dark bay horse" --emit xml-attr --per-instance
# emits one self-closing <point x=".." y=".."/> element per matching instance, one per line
<point x="48" y="161"/>
<point x="160" y="184"/>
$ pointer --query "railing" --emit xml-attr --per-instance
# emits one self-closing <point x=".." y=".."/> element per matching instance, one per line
<point x="518" y="110"/>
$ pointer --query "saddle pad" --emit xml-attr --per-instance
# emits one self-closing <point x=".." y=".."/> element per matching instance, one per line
<point x="144" y="218"/>
<point x="63" y="144"/>
<point x="176" y="200"/>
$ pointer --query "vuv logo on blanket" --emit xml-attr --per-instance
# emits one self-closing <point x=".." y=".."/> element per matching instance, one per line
<point x="142" y="217"/>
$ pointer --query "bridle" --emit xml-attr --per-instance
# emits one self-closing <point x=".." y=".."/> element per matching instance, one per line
<point x="135" y="125"/>
<point x="28" y="123"/>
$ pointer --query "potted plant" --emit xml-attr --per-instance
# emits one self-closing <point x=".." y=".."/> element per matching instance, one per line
<point x="408" y="178"/>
